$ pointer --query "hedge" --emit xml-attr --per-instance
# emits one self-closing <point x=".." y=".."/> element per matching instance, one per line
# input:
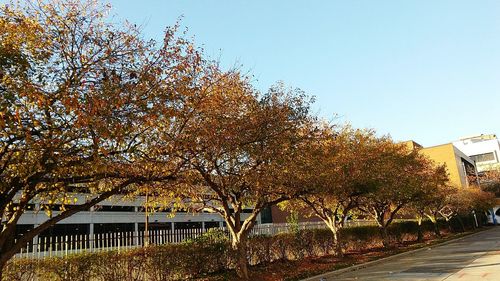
<point x="206" y="254"/>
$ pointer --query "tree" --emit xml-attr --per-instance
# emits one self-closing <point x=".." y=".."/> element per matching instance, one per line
<point x="237" y="143"/>
<point x="464" y="201"/>
<point x="490" y="181"/>
<point x="433" y="197"/>
<point x="80" y="103"/>
<point x="335" y="171"/>
<point x="398" y="177"/>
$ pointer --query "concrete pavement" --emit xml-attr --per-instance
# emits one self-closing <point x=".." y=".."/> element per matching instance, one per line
<point x="475" y="257"/>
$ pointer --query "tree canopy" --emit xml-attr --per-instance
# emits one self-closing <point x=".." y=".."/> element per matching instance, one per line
<point x="80" y="102"/>
<point x="236" y="143"/>
<point x="90" y="106"/>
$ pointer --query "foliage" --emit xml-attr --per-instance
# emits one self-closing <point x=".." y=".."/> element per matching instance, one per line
<point x="490" y="181"/>
<point x="79" y="101"/>
<point x="463" y="201"/>
<point x="236" y="144"/>
<point x="336" y="170"/>
<point x="292" y="221"/>
<point x="398" y="179"/>
<point x="433" y="198"/>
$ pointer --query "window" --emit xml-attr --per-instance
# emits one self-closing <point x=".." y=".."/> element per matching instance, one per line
<point x="156" y="226"/>
<point x="187" y="225"/>
<point x="22" y="229"/>
<point x="484" y="157"/>
<point x="113" y="227"/>
<point x="266" y="215"/>
<point x="211" y="224"/>
<point x="104" y="208"/>
<point x="66" y="229"/>
<point x="74" y="235"/>
<point x="156" y="210"/>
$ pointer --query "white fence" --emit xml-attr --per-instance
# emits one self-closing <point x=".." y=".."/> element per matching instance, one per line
<point x="275" y="228"/>
<point x="71" y="244"/>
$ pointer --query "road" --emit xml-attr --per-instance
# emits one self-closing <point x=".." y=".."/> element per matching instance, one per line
<point x="476" y="257"/>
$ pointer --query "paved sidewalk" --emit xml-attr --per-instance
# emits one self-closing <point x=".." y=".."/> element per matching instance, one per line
<point x="475" y="257"/>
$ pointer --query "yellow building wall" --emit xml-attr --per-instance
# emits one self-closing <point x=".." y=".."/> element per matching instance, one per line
<point x="411" y="145"/>
<point x="445" y="154"/>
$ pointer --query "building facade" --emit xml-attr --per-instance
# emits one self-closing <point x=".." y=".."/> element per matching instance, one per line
<point x="119" y="214"/>
<point x="483" y="149"/>
<point x="460" y="167"/>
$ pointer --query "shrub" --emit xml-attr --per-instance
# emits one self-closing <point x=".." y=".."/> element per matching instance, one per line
<point x="75" y="267"/>
<point x="208" y="253"/>
<point x="260" y="249"/>
<point x="212" y="246"/>
<point x="20" y="269"/>
<point x="358" y="238"/>
<point x="126" y="265"/>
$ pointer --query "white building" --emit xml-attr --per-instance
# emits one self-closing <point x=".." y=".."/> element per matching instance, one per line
<point x="485" y="151"/>
<point x="118" y="214"/>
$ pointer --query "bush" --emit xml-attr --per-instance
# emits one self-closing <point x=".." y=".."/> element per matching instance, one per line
<point x="359" y="238"/>
<point x="20" y="269"/>
<point x="127" y="265"/>
<point x="212" y="246"/>
<point x="208" y="253"/>
<point x="75" y="267"/>
<point x="260" y="249"/>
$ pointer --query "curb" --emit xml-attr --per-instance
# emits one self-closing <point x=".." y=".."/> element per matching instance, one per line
<point x="374" y="262"/>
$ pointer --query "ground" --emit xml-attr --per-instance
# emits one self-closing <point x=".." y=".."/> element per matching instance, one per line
<point x="297" y="270"/>
<point x="475" y="257"/>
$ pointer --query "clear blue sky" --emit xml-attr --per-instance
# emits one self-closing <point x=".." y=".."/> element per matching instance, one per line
<point x="416" y="69"/>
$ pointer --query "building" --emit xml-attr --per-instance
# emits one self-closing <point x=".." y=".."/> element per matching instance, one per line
<point x="483" y="149"/>
<point x="460" y="167"/>
<point x="118" y="214"/>
<point x="466" y="160"/>
<point x="274" y="214"/>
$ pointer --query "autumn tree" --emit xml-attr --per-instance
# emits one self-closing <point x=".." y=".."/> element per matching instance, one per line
<point x="80" y="100"/>
<point x="490" y="181"/>
<point x="463" y="201"/>
<point x="237" y="143"/>
<point x="397" y="178"/>
<point x="435" y="191"/>
<point x="335" y="171"/>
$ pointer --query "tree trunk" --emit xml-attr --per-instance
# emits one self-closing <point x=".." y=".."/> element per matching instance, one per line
<point x="434" y="221"/>
<point x="337" y="240"/>
<point x="420" y="234"/>
<point x="6" y="253"/>
<point x="436" y="229"/>
<point x="448" y="223"/>
<point x="379" y="216"/>
<point x="239" y="245"/>
<point x="385" y="237"/>
<point x="3" y="263"/>
<point x="383" y="230"/>
<point x="461" y="222"/>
